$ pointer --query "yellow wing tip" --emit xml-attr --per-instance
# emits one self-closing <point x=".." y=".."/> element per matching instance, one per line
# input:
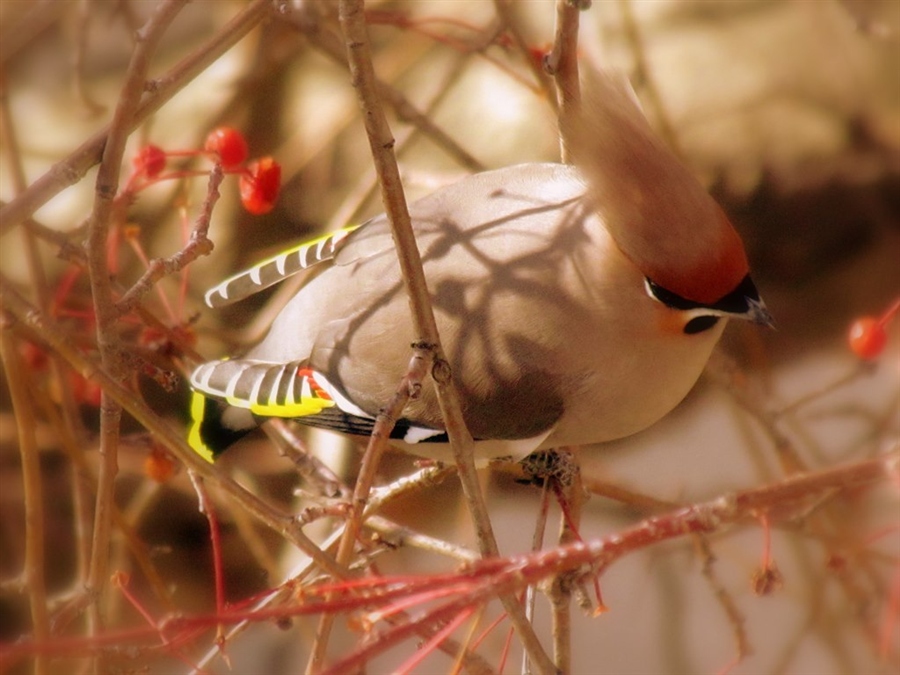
<point x="198" y="408"/>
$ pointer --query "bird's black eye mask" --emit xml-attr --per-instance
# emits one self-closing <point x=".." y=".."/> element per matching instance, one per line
<point x="700" y="323"/>
<point x="736" y="302"/>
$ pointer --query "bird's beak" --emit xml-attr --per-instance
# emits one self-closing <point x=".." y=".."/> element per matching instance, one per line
<point x="758" y="313"/>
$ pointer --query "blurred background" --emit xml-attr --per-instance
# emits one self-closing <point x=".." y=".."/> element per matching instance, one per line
<point x="788" y="110"/>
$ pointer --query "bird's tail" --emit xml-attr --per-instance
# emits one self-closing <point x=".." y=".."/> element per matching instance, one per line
<point x="215" y="426"/>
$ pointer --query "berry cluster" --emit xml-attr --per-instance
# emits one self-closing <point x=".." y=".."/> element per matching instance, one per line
<point x="259" y="180"/>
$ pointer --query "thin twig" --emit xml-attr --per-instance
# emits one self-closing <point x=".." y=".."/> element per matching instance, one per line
<point x="586" y="559"/>
<point x="404" y="536"/>
<point x="64" y="345"/>
<point x="537" y="543"/>
<point x="504" y="9"/>
<point x="72" y="169"/>
<point x="410" y="384"/>
<point x="33" y="569"/>
<point x="310" y="467"/>
<point x="205" y="507"/>
<point x="403" y="107"/>
<point x="146" y="40"/>
<point x="571" y="495"/>
<point x="428" y="477"/>
<point x="562" y="64"/>
<point x="732" y="613"/>
<point x="382" y="144"/>
<point x="198" y="245"/>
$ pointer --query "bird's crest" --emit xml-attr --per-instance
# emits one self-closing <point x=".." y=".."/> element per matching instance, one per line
<point x="655" y="209"/>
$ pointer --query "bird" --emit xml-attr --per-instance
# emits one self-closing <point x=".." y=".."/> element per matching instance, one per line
<point x="576" y="303"/>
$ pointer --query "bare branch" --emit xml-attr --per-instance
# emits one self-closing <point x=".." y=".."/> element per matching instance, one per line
<point x="72" y="169"/>
<point x="101" y="292"/>
<point x="282" y="523"/>
<point x="33" y="570"/>
<point x="562" y="63"/>
<point x="198" y="245"/>
<point x="382" y="143"/>
<point x="504" y="9"/>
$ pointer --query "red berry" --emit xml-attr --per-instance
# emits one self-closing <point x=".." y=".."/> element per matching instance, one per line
<point x="228" y="145"/>
<point x="159" y="465"/>
<point x="260" y="184"/>
<point x="150" y="160"/>
<point x="36" y="359"/>
<point x="867" y="337"/>
<point x="85" y="392"/>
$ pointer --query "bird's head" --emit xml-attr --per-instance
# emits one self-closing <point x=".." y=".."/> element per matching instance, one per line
<point x="657" y="212"/>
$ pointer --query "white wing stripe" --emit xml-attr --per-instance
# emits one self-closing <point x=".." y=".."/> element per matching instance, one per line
<point x="221" y="290"/>
<point x="233" y="382"/>
<point x="253" y="396"/>
<point x="290" y="399"/>
<point x="200" y="376"/>
<point x="280" y="263"/>
<point x="273" y="390"/>
<point x="342" y="402"/>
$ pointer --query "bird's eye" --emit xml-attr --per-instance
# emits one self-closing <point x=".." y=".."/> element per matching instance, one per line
<point x="699" y="324"/>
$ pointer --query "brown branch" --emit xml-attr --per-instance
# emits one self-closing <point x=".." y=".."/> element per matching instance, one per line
<point x="198" y="245"/>
<point x="718" y="515"/>
<point x="123" y="121"/>
<point x="22" y="403"/>
<point x="485" y="579"/>
<point x="283" y="524"/>
<point x="723" y="597"/>
<point x="381" y="141"/>
<point x="309" y="467"/>
<point x="562" y="64"/>
<point x="508" y="20"/>
<point x="571" y="495"/>
<point x="409" y="387"/>
<point x="33" y="568"/>
<point x="72" y="169"/>
<point x="330" y="45"/>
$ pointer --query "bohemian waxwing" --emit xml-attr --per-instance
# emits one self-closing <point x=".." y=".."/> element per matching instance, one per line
<point x="575" y="305"/>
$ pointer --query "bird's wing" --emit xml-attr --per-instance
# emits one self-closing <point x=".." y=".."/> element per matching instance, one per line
<point x="277" y="268"/>
<point x="491" y="246"/>
<point x="292" y="390"/>
<point x="264" y="388"/>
